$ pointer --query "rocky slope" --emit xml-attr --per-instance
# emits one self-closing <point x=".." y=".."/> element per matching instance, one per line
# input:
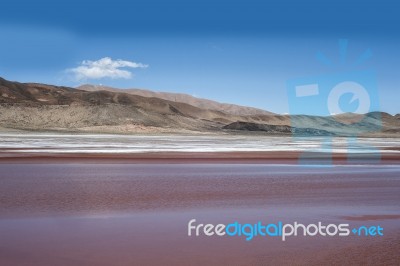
<point x="231" y="109"/>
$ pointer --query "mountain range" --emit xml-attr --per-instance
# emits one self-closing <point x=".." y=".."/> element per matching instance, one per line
<point x="232" y="109"/>
<point x="100" y="109"/>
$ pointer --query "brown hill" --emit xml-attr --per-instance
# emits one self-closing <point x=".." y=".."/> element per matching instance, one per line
<point x="231" y="109"/>
<point x="39" y="106"/>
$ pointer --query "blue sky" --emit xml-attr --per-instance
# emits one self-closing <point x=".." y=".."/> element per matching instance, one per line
<point x="241" y="52"/>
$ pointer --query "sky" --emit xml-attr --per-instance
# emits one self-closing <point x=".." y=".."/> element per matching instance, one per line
<point x="242" y="52"/>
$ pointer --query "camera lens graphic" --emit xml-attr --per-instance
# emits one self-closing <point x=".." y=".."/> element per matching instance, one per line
<point x="359" y="93"/>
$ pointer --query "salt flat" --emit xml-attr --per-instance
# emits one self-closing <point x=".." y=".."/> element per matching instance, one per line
<point x="100" y="143"/>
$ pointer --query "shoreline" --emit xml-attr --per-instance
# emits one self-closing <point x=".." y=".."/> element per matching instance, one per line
<point x="250" y="157"/>
<point x="187" y="132"/>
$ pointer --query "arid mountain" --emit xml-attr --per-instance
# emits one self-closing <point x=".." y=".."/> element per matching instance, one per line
<point x="231" y="109"/>
<point x="31" y="106"/>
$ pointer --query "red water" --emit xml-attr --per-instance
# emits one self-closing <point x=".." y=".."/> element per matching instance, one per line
<point x="138" y="214"/>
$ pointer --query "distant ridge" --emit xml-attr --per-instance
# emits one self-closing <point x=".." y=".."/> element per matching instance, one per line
<point x="232" y="109"/>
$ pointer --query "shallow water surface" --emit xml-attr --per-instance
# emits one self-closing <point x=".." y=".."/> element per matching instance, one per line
<point x="122" y="214"/>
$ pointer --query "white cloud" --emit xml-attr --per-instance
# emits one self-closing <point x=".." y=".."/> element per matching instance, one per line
<point x="104" y="68"/>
